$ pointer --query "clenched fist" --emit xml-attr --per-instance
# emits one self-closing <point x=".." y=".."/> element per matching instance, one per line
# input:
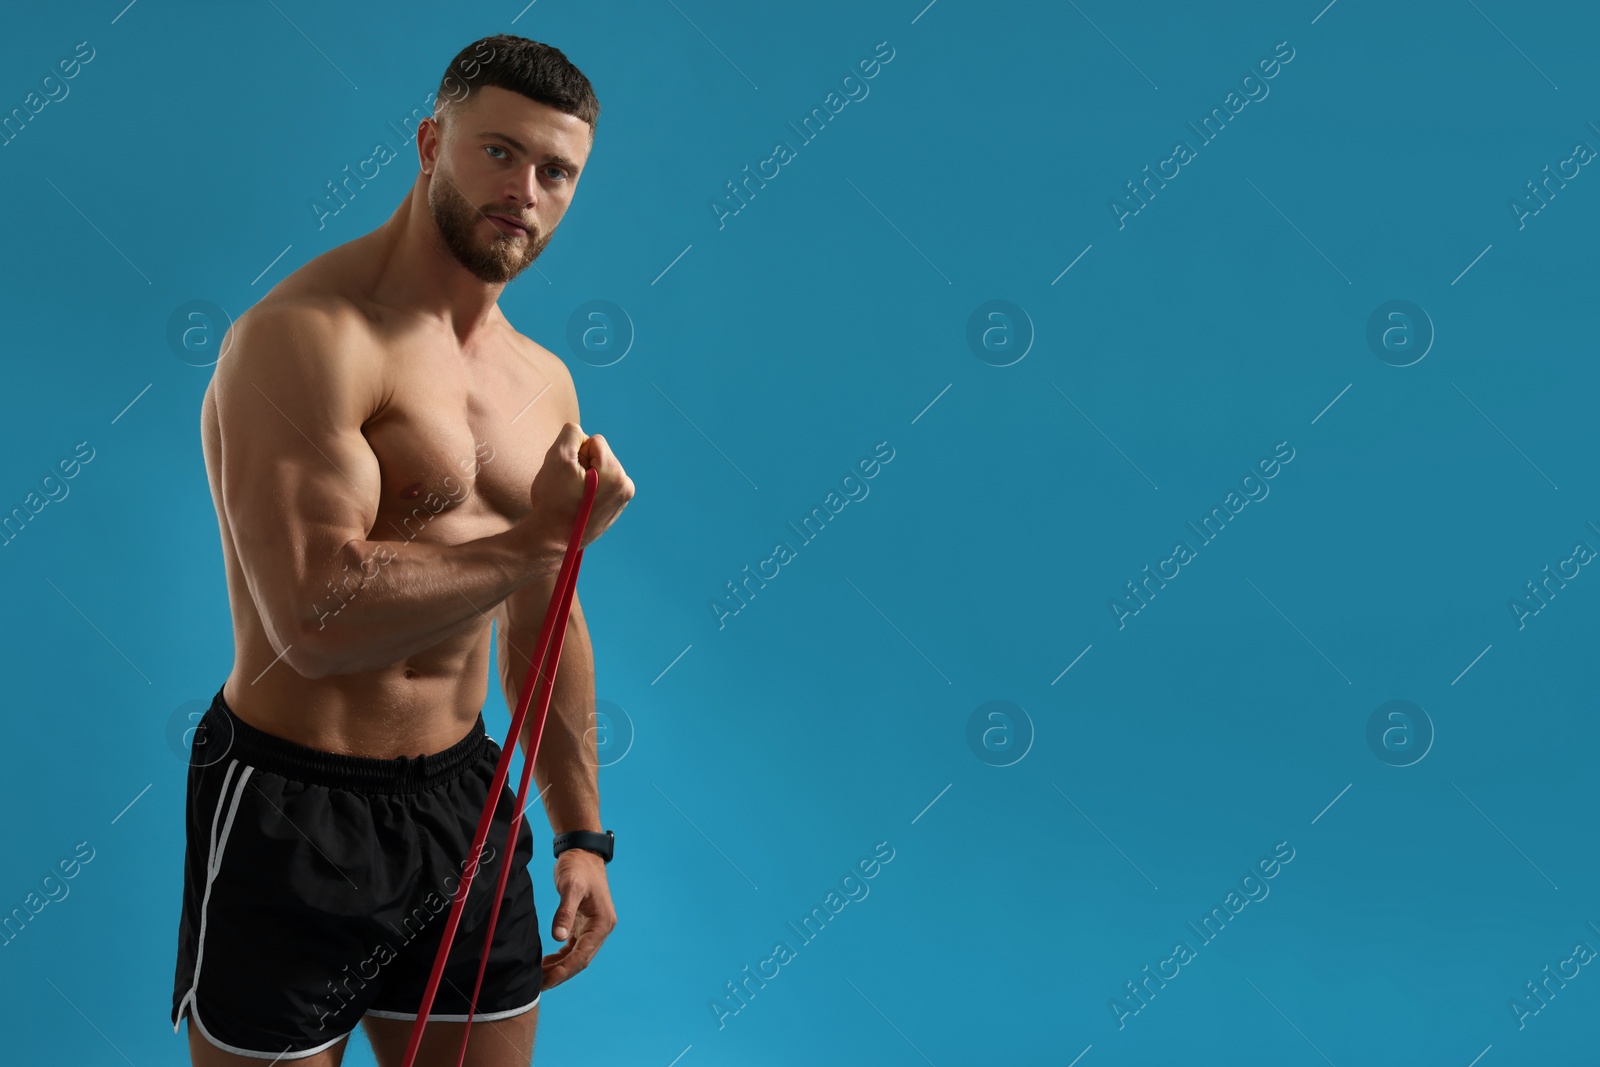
<point x="557" y="489"/>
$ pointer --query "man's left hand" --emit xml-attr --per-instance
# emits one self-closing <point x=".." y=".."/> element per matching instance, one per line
<point x="585" y="914"/>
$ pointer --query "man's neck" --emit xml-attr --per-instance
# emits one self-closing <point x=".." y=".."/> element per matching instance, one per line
<point x="416" y="271"/>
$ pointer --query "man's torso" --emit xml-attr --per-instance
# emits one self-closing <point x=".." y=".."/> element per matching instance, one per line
<point x="458" y="437"/>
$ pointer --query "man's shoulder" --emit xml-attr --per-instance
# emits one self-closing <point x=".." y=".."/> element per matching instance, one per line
<point x="532" y="350"/>
<point x="309" y="306"/>
<point x="293" y="346"/>
<point x="317" y="296"/>
<point x="547" y="366"/>
<point x="316" y="319"/>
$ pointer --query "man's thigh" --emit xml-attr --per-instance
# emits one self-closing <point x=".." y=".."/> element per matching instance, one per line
<point x="203" y="1053"/>
<point x="497" y="1043"/>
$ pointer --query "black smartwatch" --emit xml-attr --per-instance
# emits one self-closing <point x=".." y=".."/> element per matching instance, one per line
<point x="600" y="844"/>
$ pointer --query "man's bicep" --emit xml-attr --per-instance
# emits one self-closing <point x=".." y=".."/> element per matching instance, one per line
<point x="521" y="616"/>
<point x="517" y="644"/>
<point x="299" y="480"/>
<point x="513" y="653"/>
<point x="519" y="620"/>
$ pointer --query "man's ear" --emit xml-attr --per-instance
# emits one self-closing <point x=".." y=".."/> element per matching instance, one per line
<point x="428" y="142"/>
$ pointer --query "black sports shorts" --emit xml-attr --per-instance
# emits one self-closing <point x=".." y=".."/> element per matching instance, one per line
<point x="317" y="887"/>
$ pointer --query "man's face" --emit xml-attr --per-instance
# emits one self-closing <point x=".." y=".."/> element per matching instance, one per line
<point x="509" y="156"/>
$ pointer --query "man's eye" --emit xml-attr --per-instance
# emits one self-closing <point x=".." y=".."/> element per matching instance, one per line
<point x="494" y="148"/>
<point x="560" y="173"/>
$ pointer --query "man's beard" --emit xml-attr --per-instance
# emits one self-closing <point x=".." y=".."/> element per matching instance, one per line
<point x="502" y="258"/>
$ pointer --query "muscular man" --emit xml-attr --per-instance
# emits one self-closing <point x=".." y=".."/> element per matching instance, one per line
<point x="394" y="467"/>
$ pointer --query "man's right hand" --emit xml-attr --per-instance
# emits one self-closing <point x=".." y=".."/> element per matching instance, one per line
<point x="557" y="489"/>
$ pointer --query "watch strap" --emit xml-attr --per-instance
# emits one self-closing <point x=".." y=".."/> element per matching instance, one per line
<point x="602" y="844"/>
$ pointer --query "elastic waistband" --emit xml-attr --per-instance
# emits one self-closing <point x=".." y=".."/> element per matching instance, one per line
<point x="403" y="774"/>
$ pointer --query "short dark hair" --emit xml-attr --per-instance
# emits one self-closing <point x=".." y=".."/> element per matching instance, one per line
<point x="538" y="71"/>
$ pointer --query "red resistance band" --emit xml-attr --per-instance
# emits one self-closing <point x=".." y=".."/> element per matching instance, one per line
<point x="555" y="624"/>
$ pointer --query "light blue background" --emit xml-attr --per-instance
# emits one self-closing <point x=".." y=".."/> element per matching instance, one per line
<point x="832" y="712"/>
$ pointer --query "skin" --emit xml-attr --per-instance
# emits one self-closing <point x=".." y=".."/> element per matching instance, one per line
<point x="394" y="467"/>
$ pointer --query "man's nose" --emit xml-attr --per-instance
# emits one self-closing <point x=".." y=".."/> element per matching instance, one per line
<point x="524" y="196"/>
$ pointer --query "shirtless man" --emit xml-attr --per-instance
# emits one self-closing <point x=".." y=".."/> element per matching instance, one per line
<point x="394" y="467"/>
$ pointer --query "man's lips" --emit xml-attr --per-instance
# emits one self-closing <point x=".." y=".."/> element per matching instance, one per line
<point x="507" y="225"/>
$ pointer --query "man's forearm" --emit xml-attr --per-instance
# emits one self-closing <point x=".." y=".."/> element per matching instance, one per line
<point x="391" y="599"/>
<point x="567" y="770"/>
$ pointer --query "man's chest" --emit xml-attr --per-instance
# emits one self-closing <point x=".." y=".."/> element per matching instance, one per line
<point x="458" y="444"/>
